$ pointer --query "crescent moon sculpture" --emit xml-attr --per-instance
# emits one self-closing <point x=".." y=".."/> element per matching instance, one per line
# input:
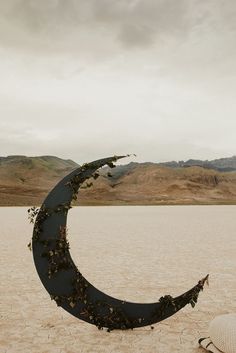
<point x="64" y="282"/>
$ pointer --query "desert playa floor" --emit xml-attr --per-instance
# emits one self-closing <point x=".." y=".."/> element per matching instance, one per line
<point x="133" y="253"/>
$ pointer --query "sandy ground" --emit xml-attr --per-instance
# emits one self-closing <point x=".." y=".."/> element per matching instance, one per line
<point x="149" y="252"/>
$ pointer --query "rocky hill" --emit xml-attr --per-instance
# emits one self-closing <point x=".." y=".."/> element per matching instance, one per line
<point x="27" y="180"/>
<point x="222" y="164"/>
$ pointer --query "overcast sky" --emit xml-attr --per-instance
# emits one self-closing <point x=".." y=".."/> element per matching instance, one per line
<point x="85" y="79"/>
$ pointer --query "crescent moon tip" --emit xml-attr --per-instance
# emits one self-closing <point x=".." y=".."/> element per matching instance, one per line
<point x="204" y="280"/>
<point x="120" y="157"/>
<point x="115" y="157"/>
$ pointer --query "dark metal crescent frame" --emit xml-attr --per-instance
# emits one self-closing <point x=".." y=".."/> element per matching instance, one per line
<point x="65" y="283"/>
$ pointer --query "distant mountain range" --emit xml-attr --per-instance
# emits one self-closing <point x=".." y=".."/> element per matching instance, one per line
<point x="27" y="181"/>
<point x="222" y="164"/>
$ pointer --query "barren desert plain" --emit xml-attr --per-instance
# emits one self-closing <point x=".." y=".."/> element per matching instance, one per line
<point x="135" y="253"/>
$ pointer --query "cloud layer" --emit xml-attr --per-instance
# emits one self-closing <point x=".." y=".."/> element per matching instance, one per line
<point x="83" y="79"/>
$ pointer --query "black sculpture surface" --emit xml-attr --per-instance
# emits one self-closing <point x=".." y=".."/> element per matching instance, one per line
<point x="62" y="279"/>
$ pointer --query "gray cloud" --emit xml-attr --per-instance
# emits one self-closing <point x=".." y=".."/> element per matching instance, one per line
<point x="122" y="76"/>
<point x="133" y="23"/>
